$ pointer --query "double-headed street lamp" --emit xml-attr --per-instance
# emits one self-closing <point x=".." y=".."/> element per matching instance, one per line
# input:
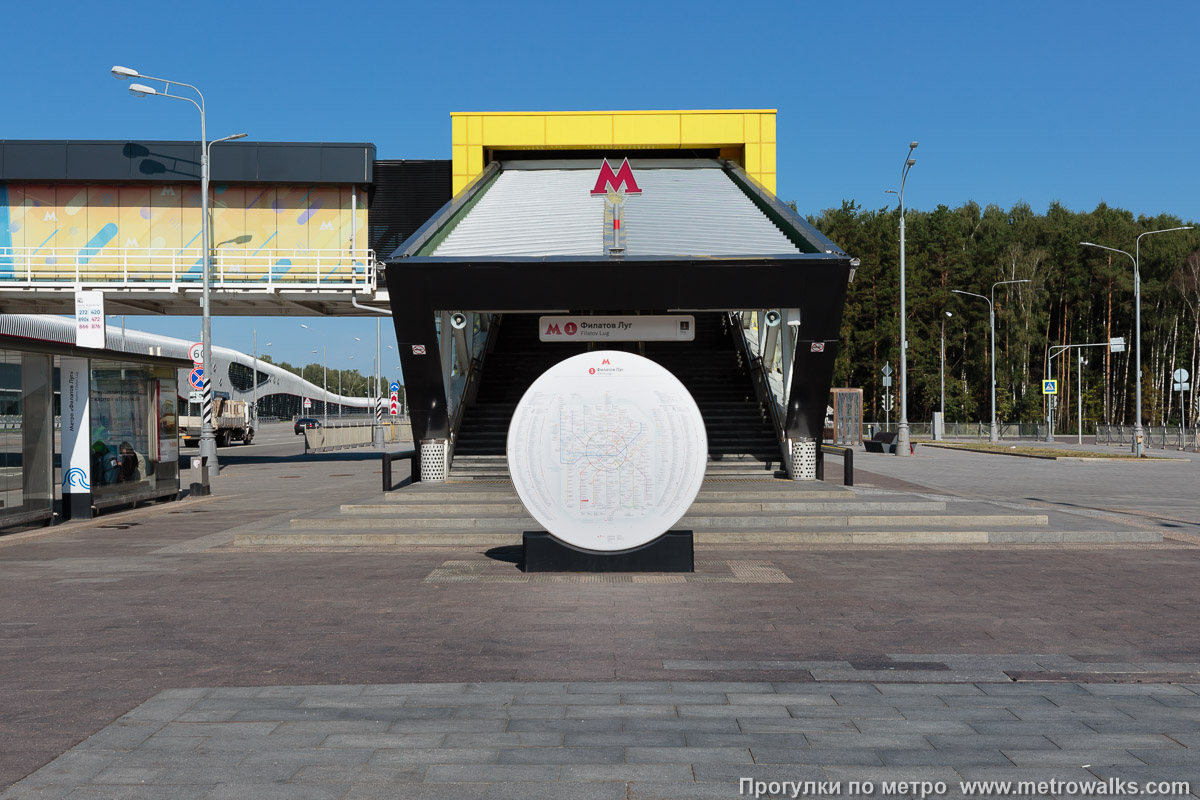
<point x="1137" y="304"/>
<point x="994" y="433"/>
<point x="208" y="444"/>
<point x="903" y="448"/>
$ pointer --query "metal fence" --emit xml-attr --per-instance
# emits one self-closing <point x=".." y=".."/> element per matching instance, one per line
<point x="964" y="430"/>
<point x="1161" y="436"/>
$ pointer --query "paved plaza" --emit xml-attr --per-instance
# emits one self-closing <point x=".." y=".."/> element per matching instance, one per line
<point x="146" y="655"/>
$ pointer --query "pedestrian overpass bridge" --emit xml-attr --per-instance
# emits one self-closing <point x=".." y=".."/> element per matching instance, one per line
<point x="295" y="226"/>
<point x="268" y="282"/>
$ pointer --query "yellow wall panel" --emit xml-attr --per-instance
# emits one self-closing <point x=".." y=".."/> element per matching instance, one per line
<point x="189" y="215"/>
<point x="474" y="130"/>
<point x="578" y="130"/>
<point x="292" y="220"/>
<point x="40" y="222"/>
<point x="752" y="127"/>
<point x="458" y="128"/>
<point x="17" y="206"/>
<point x="768" y="128"/>
<point x="767" y="158"/>
<point x="710" y="129"/>
<point x="228" y="214"/>
<point x="324" y="218"/>
<point x="71" y="202"/>
<point x="753" y="157"/>
<point x="166" y="218"/>
<point x="133" y="216"/>
<point x="646" y="129"/>
<point x="474" y="161"/>
<point x="514" y="131"/>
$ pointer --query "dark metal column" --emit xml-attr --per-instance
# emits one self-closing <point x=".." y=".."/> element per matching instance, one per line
<point x="422" y="373"/>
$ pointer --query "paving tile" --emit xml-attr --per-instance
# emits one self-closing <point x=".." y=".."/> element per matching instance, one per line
<point x="512" y="739"/>
<point x="559" y="790"/>
<point x="961" y="756"/>
<point x="756" y="711"/>
<point x="732" y="773"/>
<point x="419" y="791"/>
<point x="1111" y="741"/>
<point x="562" y="755"/>
<point x="687" y="755"/>
<point x="649" y="790"/>
<point x="632" y="739"/>
<point x="486" y="773"/>
<point x="440" y="755"/>
<point x="357" y="774"/>
<point x="384" y="740"/>
<point x="1089" y="756"/>
<point x="820" y="756"/>
<point x="661" y="773"/>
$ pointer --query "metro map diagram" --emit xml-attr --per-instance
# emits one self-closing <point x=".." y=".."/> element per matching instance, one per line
<point x="606" y="455"/>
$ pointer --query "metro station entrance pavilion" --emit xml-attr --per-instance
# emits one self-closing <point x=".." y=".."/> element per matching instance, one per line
<point x="601" y="218"/>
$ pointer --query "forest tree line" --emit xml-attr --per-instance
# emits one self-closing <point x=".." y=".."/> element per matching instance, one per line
<point x="1075" y="295"/>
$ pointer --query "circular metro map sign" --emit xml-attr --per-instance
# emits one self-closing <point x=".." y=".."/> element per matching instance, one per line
<point x="607" y="450"/>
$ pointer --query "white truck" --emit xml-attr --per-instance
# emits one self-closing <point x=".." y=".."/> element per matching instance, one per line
<point x="232" y="421"/>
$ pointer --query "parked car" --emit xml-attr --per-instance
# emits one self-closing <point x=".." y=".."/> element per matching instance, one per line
<point x="306" y="422"/>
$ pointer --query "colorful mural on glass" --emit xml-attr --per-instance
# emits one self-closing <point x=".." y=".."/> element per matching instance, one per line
<point x="100" y="230"/>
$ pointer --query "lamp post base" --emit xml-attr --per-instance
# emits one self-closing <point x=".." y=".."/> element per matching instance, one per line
<point x="903" y="443"/>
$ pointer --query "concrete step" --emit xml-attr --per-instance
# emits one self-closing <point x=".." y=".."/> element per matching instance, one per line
<point x="705" y="506"/>
<point x="789" y="490"/>
<point x="503" y="523"/>
<point x="460" y="538"/>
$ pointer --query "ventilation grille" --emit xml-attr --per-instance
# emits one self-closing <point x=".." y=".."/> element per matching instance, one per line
<point x="406" y="194"/>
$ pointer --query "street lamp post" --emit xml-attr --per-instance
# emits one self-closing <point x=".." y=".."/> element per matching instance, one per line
<point x="1137" y="304"/>
<point x="903" y="448"/>
<point x="324" y="381"/>
<point x="938" y="434"/>
<point x="208" y="444"/>
<point x="994" y="432"/>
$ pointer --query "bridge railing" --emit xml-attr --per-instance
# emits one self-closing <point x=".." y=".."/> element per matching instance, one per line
<point x="232" y="269"/>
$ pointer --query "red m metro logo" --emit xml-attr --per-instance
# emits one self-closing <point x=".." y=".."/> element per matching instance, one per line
<point x="622" y="177"/>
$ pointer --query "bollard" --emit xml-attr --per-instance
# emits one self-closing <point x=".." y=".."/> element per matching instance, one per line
<point x="820" y="462"/>
<point x="200" y="488"/>
<point x="848" y="466"/>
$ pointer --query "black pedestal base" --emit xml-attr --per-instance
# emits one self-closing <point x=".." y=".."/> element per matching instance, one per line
<point x="671" y="552"/>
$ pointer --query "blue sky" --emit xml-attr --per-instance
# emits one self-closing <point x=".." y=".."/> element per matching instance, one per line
<point x="1079" y="102"/>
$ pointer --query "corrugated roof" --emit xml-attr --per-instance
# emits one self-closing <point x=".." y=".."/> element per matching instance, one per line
<point x="693" y="211"/>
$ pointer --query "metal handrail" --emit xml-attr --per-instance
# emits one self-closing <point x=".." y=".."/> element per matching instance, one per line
<point x="474" y="371"/>
<point x="68" y="267"/>
<point x="762" y="386"/>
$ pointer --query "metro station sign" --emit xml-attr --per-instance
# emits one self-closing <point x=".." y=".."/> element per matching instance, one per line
<point x="622" y="177"/>
<point x="631" y="328"/>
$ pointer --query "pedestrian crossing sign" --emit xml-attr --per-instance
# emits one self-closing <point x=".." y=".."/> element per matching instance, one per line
<point x="1049" y="387"/>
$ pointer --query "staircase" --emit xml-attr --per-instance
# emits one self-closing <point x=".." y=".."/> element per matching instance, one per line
<point x="741" y="437"/>
<point x="725" y="513"/>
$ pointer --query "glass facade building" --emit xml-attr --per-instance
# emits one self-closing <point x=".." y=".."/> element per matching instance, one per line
<point x="131" y="431"/>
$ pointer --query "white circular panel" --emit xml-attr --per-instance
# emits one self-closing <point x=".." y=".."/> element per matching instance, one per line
<point x="607" y="450"/>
